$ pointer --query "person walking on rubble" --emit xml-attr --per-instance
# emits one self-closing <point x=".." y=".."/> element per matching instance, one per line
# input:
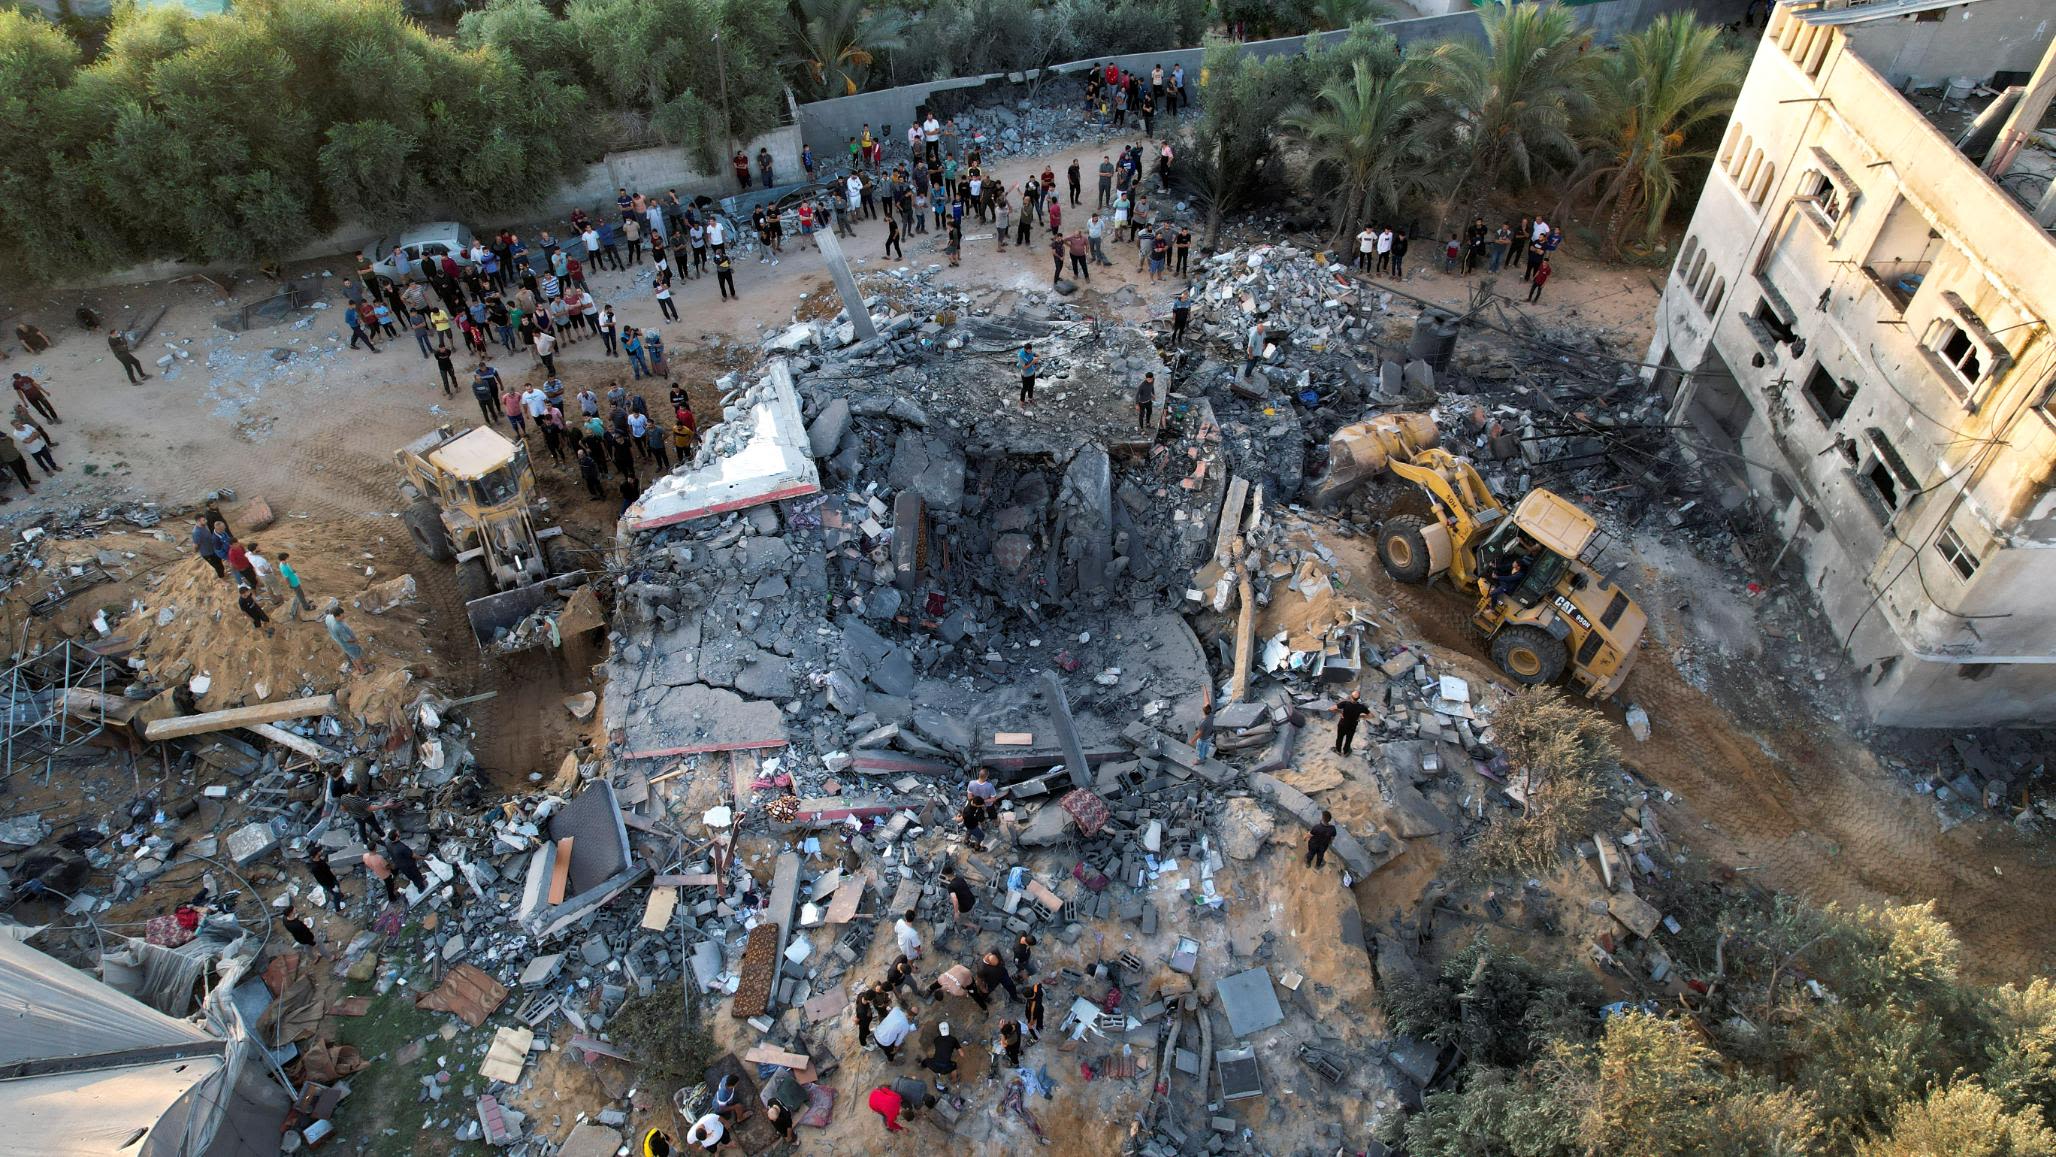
<point x="1145" y="400"/>
<point x="1319" y="838"/>
<point x="402" y="857"/>
<point x="1348" y="712"/>
<point x="353" y="652"/>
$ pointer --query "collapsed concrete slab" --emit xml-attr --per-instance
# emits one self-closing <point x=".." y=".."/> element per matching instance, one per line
<point x="760" y="452"/>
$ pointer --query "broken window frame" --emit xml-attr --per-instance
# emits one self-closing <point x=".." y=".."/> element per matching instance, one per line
<point x="1991" y="357"/>
<point x="1904" y="487"/>
<point x="1962" y="563"/>
<point x="1826" y="194"/>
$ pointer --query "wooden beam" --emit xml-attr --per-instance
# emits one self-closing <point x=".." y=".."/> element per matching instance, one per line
<point x="304" y="746"/>
<point x="177" y="725"/>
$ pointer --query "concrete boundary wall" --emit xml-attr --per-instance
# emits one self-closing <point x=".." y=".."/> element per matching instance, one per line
<point x="829" y="124"/>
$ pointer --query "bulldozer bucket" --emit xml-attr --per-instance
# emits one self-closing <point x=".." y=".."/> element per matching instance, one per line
<point x="494" y="615"/>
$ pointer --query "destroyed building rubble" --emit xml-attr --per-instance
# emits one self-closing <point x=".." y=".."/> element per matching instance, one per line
<point x="876" y="577"/>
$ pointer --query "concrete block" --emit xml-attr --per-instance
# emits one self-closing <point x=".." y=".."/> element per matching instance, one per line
<point x="251" y="842"/>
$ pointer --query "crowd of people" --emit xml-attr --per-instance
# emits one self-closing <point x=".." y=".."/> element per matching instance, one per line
<point x="1381" y="250"/>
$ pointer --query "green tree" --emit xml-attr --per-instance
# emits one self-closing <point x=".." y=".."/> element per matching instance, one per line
<point x="1363" y="128"/>
<point x="1660" y="100"/>
<point x="1330" y="15"/>
<point x="839" y="41"/>
<point x="1507" y="106"/>
<point x="537" y="39"/>
<point x="658" y="58"/>
<point x="1962" y="1120"/>
<point x="1566" y="752"/>
<point x="1230" y="153"/>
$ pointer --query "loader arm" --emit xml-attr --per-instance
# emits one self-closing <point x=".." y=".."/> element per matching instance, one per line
<point x="1460" y="496"/>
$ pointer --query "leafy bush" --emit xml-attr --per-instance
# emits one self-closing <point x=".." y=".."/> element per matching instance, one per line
<point x="1567" y="753"/>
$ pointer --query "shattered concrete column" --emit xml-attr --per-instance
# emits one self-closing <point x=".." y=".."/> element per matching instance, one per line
<point x="839" y="269"/>
<point x="1067" y="732"/>
<point x="1245" y="635"/>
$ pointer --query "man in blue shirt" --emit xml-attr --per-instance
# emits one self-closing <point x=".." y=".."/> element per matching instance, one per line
<point x="203" y="541"/>
<point x="1029" y="365"/>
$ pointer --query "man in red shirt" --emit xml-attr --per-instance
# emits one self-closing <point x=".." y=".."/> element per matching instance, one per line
<point x="239" y="562"/>
<point x="886" y="1104"/>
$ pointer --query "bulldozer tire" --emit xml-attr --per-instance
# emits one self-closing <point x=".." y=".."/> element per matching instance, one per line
<point x="425" y="527"/>
<point x="1529" y="655"/>
<point x="558" y="556"/>
<point x="1403" y="549"/>
<point x="473" y="580"/>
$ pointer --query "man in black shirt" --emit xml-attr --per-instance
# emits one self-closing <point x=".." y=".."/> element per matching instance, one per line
<point x="1349" y="711"/>
<point x="1145" y="400"/>
<point x="961" y="898"/>
<point x="1318" y="839"/>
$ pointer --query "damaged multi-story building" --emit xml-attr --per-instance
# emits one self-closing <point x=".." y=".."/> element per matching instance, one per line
<point x="1856" y="332"/>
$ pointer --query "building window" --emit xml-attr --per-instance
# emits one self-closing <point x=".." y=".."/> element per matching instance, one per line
<point x="1830" y="396"/>
<point x="1963" y="349"/>
<point x="1888" y="482"/>
<point x="1950" y="546"/>
<point x="1773" y="323"/>
<point x="1826" y="192"/>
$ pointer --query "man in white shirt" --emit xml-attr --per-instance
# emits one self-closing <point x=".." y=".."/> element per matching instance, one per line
<point x="931" y="133"/>
<point x="536" y="402"/>
<point x="656" y="213"/>
<point x="717" y="234"/>
<point x="893" y="1031"/>
<point x="1366" y="247"/>
<point x="906" y="936"/>
<point x="709" y="1133"/>
<point x="914" y="139"/>
<point x="855" y="190"/>
<point x="1541" y="230"/>
<point x="546" y="352"/>
<point x="1384" y="249"/>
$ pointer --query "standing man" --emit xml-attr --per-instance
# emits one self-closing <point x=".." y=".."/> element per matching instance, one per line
<point x="1366" y="249"/>
<point x="546" y="351"/>
<point x="1030" y="363"/>
<point x="724" y="275"/>
<point x="1181" y="315"/>
<point x="1252" y="349"/>
<point x="1348" y="712"/>
<point x="118" y="342"/>
<point x="906" y="936"/>
<point x="1106" y="181"/>
<point x="1145" y="400"/>
<point x="1535" y="283"/>
<point x="445" y="369"/>
<point x="1183" y="242"/>
<point x="485" y="386"/>
<point x="1076" y="179"/>
<point x="292" y="581"/>
<point x="1076" y="244"/>
<point x="324" y="875"/>
<point x="1399" y="255"/>
<point x="32" y="392"/>
<point x="203" y="537"/>
<point x="353" y="651"/>
<point x="1318" y="839"/>
<point x="1384" y="250"/>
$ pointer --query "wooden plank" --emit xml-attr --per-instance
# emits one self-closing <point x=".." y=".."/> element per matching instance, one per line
<point x="95" y="706"/>
<point x="770" y="1055"/>
<point x="1014" y="738"/>
<point x="560" y="870"/>
<point x="687" y="880"/>
<point x="301" y="744"/>
<point x="657" y="911"/>
<point x="178" y="725"/>
<point x="843" y="908"/>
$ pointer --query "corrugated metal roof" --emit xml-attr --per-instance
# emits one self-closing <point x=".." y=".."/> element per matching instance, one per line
<point x="1864" y="11"/>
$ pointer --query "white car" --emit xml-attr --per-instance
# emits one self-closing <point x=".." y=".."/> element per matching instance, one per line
<point x="435" y="239"/>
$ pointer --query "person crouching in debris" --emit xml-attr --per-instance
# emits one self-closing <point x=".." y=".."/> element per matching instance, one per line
<point x="709" y="1133"/>
<point x="961" y="898"/>
<point x="656" y="1144"/>
<point x="973" y="819"/>
<point x="324" y="875"/>
<point x="382" y="872"/>
<point x="893" y="1031"/>
<point x="942" y="1058"/>
<point x="993" y="975"/>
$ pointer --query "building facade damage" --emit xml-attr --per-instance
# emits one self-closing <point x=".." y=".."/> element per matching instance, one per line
<point x="1856" y="335"/>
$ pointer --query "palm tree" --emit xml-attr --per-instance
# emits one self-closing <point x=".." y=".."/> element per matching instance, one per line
<point x="1509" y="104"/>
<point x="1364" y="127"/>
<point x="1656" y="109"/>
<point x="839" y="40"/>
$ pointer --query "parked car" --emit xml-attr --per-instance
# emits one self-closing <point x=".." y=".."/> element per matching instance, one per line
<point x="434" y="239"/>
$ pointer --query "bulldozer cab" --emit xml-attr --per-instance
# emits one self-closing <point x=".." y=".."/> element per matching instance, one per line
<point x="480" y="470"/>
